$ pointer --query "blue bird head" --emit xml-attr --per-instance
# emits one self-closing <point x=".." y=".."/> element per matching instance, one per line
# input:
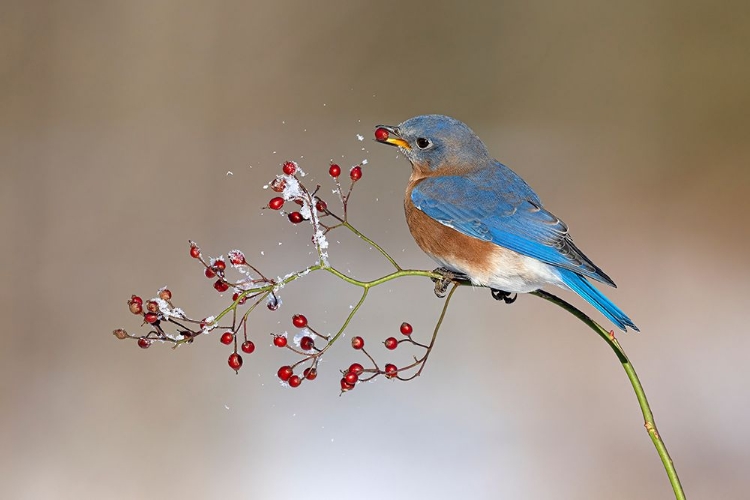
<point x="434" y="142"/>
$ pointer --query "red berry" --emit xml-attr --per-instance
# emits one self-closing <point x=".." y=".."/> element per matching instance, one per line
<point x="356" y="368"/>
<point x="294" y="381"/>
<point x="406" y="328"/>
<point x="295" y="217"/>
<point x="355" y="173"/>
<point x="136" y="299"/>
<point x="299" y="321"/>
<point x="279" y="341"/>
<point x="235" y="361"/>
<point x="391" y="370"/>
<point x="381" y="134"/>
<point x="195" y="252"/>
<point x="351" y="378"/>
<point x="221" y="286"/>
<point x="135" y="307"/>
<point x="278" y="185"/>
<point x="335" y="170"/>
<point x="236" y="295"/>
<point x="391" y="343"/>
<point x="285" y="373"/>
<point x="273" y="303"/>
<point x="248" y="347"/>
<point x="151" y="318"/>
<point x="236" y="257"/>
<point x="227" y="338"/>
<point x="209" y="272"/>
<point x="321" y="205"/>
<point x="276" y="203"/>
<point x="346" y="386"/>
<point x="289" y="167"/>
<point x="144" y="343"/>
<point x="165" y="294"/>
<point x="306" y="343"/>
<point x="152" y="306"/>
<point x="358" y="342"/>
<point x="310" y="373"/>
<point x="220" y="265"/>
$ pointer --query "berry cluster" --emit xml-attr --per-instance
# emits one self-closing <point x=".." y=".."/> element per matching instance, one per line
<point x="249" y="287"/>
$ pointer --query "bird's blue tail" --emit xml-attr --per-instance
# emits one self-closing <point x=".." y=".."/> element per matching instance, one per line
<point x="582" y="287"/>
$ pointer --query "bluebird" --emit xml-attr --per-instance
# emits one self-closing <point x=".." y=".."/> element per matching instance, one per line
<point x="477" y="218"/>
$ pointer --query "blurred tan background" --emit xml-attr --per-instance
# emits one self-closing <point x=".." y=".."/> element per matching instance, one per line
<point x="119" y="122"/>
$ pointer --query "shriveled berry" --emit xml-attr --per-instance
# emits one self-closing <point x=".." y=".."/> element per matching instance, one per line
<point x="236" y="257"/>
<point x="391" y="370"/>
<point x="221" y="286"/>
<point x="299" y="321"/>
<point x="306" y="343"/>
<point x="144" y="343"/>
<point x="289" y="167"/>
<point x="152" y="306"/>
<point x="120" y="334"/>
<point x="210" y="273"/>
<point x="285" y="373"/>
<point x="358" y="342"/>
<point x="276" y="203"/>
<point x="135" y="307"/>
<point x="295" y="381"/>
<point x="248" y="347"/>
<point x="195" y="252"/>
<point x="136" y="299"/>
<point x="278" y="185"/>
<point x="227" y="338"/>
<point x="356" y="368"/>
<point x="310" y="373"/>
<point x="351" y="378"/>
<point x="279" y="341"/>
<point x="295" y="217"/>
<point x="235" y="361"/>
<point x="346" y="386"/>
<point x="381" y="134"/>
<point x="406" y="328"/>
<point x="165" y="294"/>
<point x="391" y="343"/>
<point x="219" y="265"/>
<point x="321" y="206"/>
<point x="151" y="318"/>
<point x="355" y="173"/>
<point x="334" y="171"/>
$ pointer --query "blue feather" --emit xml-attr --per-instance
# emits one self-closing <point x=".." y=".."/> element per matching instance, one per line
<point x="597" y="299"/>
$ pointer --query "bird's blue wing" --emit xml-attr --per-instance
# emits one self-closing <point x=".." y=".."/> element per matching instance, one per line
<point x="496" y="205"/>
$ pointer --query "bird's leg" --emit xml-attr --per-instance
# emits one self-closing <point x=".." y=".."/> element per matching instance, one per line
<point x="504" y="296"/>
<point x="448" y="277"/>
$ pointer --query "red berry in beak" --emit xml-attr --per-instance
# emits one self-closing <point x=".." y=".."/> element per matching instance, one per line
<point x="381" y="134"/>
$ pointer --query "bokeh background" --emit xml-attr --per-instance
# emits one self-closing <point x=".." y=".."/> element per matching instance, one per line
<point x="120" y="123"/>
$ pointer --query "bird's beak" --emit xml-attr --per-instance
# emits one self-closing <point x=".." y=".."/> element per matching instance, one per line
<point x="388" y="134"/>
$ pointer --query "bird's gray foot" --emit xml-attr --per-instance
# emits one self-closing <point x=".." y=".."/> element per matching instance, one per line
<point x="504" y="296"/>
<point x="442" y="284"/>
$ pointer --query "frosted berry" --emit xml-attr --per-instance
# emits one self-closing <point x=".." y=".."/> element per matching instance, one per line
<point x="165" y="294"/>
<point x="358" y="342"/>
<point x="294" y="381"/>
<point x="355" y="173"/>
<point x="210" y="273"/>
<point x="285" y="373"/>
<point x="346" y="386"/>
<point x="248" y="347"/>
<point x="221" y="286"/>
<point x="235" y="361"/>
<point x="220" y="265"/>
<point x="351" y="378"/>
<point x="406" y="328"/>
<point x="391" y="370"/>
<point x="279" y="341"/>
<point x="273" y="303"/>
<point x="289" y="168"/>
<point x="151" y="318"/>
<point x="278" y="185"/>
<point x="335" y="170"/>
<point x="195" y="252"/>
<point x="356" y="368"/>
<point x="310" y="373"/>
<point x="152" y="306"/>
<point x="144" y="343"/>
<point x="321" y="206"/>
<point x="381" y="134"/>
<point x="391" y="343"/>
<point x="276" y="203"/>
<point x="236" y="257"/>
<point x="306" y="343"/>
<point x="299" y="321"/>
<point x="295" y="217"/>
<point x="227" y="338"/>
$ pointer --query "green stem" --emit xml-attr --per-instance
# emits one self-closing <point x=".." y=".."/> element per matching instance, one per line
<point x="648" y="416"/>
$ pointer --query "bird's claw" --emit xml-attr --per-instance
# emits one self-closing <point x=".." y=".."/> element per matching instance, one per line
<point x="448" y="277"/>
<point x="504" y="296"/>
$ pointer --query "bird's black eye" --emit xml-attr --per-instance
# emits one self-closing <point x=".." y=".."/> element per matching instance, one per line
<point x="423" y="143"/>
